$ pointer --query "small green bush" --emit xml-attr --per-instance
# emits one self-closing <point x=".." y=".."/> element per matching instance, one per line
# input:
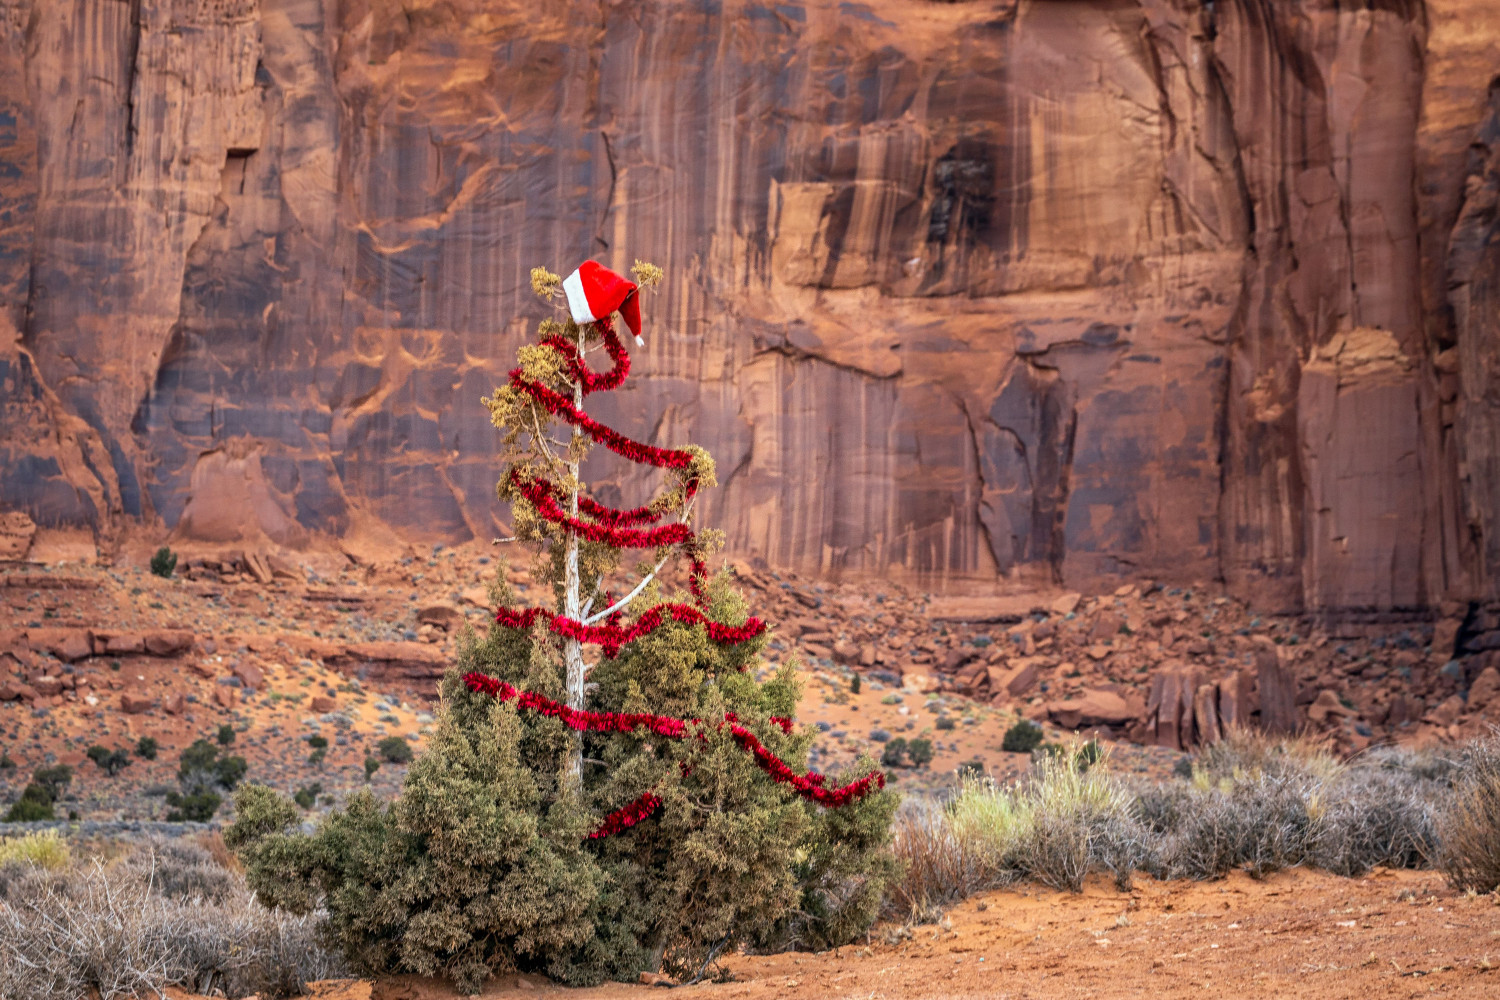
<point x="854" y="684"/>
<point x="318" y="742"/>
<point x="194" y="807"/>
<point x="34" y="804"/>
<point x="55" y="779"/>
<point x="164" y="563"/>
<point x="946" y="722"/>
<point x="894" y="754"/>
<point x="372" y="764"/>
<point x="146" y="748"/>
<point x="919" y="751"/>
<point x="226" y="735"/>
<point x="395" y="749"/>
<point x="1023" y="737"/>
<point x="307" y="796"/>
<point x="6" y="764"/>
<point x="111" y="762"/>
<point x="202" y="773"/>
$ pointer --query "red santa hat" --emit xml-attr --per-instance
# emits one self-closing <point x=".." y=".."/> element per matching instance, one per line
<point x="594" y="291"/>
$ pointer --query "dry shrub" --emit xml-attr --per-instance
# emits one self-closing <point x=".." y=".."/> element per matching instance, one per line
<point x="940" y="864"/>
<point x="43" y="848"/>
<point x="1469" y="828"/>
<point x="108" y="931"/>
<point x="1069" y="818"/>
<point x="1376" y="815"/>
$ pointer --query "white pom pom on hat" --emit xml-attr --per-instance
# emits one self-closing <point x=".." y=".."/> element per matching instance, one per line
<point x="594" y="291"/>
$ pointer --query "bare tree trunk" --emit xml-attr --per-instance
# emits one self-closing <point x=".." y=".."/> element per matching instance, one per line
<point x="572" y="604"/>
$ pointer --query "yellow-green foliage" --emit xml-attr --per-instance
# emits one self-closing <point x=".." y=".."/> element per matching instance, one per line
<point x="44" y="849"/>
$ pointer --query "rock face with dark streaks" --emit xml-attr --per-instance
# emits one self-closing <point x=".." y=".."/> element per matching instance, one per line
<point x="1041" y="291"/>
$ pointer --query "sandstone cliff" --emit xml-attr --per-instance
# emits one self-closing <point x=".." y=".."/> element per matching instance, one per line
<point x="1050" y="291"/>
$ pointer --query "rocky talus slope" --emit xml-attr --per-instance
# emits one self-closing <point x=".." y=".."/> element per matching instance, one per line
<point x="284" y="652"/>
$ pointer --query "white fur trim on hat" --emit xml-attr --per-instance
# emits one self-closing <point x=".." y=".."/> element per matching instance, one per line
<point x="578" y="302"/>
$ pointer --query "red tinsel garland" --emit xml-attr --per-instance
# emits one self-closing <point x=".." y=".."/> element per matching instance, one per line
<point x="539" y="492"/>
<point x="627" y="816"/>
<point x="624" y="529"/>
<point x="809" y="785"/>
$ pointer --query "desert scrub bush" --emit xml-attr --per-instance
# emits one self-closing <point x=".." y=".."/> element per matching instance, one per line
<point x="110" y="931"/>
<point x="1469" y="826"/>
<point x="179" y="869"/>
<point x="146" y="748"/>
<point x="111" y="762"/>
<point x="395" y="750"/>
<point x="1068" y="818"/>
<point x="43" y="848"/>
<point x="40" y="795"/>
<point x="164" y="562"/>
<point x="1022" y="737"/>
<point x="1370" y="815"/>
<point x="894" y="753"/>
<point x="202" y="773"/>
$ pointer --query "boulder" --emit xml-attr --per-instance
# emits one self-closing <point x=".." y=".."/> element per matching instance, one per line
<point x="168" y="642"/>
<point x="1483" y="691"/>
<point x="322" y="704"/>
<point x="48" y="686"/>
<point x="845" y="651"/>
<point x="14" y="691"/>
<point x="226" y="697"/>
<point x="1066" y="604"/>
<point x="250" y="676"/>
<point x="1326" y="705"/>
<point x="67" y="644"/>
<point x="124" y="644"/>
<point x="176" y="704"/>
<point x="1091" y="708"/>
<point x="443" y="616"/>
<point x="135" y="704"/>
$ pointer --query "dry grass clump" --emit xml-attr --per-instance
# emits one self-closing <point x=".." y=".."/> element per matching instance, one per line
<point x="1469" y="829"/>
<point x="1255" y="803"/>
<point x="1070" y="817"/>
<point x="163" y="915"/>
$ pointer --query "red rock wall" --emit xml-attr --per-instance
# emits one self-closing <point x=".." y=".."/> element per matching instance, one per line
<point x="1061" y="290"/>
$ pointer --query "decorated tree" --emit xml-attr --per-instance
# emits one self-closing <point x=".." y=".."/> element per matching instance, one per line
<point x="611" y="786"/>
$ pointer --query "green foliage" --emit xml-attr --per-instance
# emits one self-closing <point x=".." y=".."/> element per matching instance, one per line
<point x="854" y="684"/>
<point x="193" y="807"/>
<point x="307" y="796"/>
<point x="202" y="773"/>
<point x="395" y="749"/>
<point x="945" y="722"/>
<point x="483" y="862"/>
<point x="919" y="751"/>
<point x="54" y="779"/>
<point x="1023" y="737"/>
<point x="894" y="754"/>
<point x="111" y="762"/>
<point x="146" y="748"/>
<point x="318" y="742"/>
<point x="226" y="735"/>
<point x="372" y="764"/>
<point x="164" y="562"/>
<point x="6" y="764"/>
<point x="34" y="804"/>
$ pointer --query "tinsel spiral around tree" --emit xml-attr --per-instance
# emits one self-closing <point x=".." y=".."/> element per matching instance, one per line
<point x="635" y="528"/>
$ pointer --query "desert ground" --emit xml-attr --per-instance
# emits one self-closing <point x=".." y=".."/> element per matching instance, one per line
<point x="1294" y="934"/>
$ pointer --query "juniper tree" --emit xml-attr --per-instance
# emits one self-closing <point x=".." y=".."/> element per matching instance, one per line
<point x="601" y="795"/>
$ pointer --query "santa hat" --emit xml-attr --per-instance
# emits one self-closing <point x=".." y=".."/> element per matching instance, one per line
<point x="594" y="291"/>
